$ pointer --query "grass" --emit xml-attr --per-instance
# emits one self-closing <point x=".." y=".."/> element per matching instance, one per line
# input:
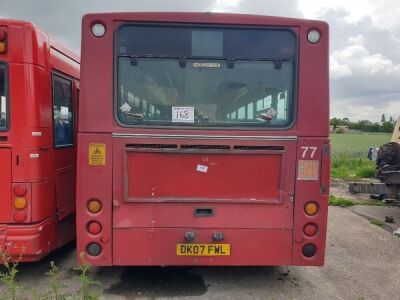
<point x="376" y="222"/>
<point x="342" y="202"/>
<point x="349" y="154"/>
<point x="14" y="291"/>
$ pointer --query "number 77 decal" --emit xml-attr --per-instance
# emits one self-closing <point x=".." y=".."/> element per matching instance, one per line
<point x="310" y="150"/>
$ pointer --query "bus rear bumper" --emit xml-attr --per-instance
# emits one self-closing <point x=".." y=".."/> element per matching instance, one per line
<point x="27" y="242"/>
<point x="158" y="247"/>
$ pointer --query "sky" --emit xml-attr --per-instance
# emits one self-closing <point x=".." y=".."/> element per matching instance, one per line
<point x="364" y="39"/>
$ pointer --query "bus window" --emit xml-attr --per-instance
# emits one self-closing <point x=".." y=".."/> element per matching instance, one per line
<point x="62" y="104"/>
<point x="217" y="77"/>
<point x="3" y="98"/>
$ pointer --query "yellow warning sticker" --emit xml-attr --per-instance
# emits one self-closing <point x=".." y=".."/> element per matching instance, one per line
<point x="97" y="154"/>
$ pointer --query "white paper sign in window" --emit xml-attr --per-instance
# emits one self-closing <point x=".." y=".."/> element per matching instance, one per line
<point x="182" y="114"/>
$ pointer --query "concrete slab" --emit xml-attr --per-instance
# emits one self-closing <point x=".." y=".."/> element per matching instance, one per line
<point x="380" y="213"/>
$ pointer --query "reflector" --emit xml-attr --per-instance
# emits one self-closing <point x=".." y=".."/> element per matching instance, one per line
<point x="93" y="249"/>
<point x="309" y="250"/>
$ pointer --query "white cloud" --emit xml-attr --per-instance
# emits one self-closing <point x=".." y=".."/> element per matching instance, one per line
<point x="338" y="70"/>
<point x="225" y="5"/>
<point x="356" y="40"/>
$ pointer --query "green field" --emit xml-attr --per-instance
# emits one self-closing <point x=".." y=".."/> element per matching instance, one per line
<point x="349" y="154"/>
<point x="356" y="145"/>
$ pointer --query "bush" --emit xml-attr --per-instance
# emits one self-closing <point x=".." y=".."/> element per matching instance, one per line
<point x="339" y="130"/>
<point x="365" y="172"/>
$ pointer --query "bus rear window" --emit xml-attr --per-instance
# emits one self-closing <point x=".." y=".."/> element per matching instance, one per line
<point x="205" y="76"/>
<point x="3" y="98"/>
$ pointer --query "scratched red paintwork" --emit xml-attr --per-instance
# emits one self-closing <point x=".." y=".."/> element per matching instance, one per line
<point x="31" y="57"/>
<point x="144" y="217"/>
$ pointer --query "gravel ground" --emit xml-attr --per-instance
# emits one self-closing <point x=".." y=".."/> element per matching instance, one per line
<point x="362" y="261"/>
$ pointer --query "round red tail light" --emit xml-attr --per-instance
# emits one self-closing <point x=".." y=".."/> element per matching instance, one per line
<point x="310" y="229"/>
<point x="20" y="216"/>
<point x="19" y="190"/>
<point x="94" y="227"/>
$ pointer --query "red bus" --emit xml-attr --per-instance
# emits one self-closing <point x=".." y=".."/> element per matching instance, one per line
<point x="39" y="82"/>
<point x="204" y="140"/>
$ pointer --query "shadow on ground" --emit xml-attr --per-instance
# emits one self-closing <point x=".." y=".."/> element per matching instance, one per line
<point x="183" y="281"/>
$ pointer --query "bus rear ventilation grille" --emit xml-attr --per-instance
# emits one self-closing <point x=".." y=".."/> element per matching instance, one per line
<point x="273" y="148"/>
<point x="153" y="146"/>
<point x="3" y="138"/>
<point x="206" y="147"/>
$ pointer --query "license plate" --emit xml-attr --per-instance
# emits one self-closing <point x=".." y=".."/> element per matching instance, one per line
<point x="203" y="249"/>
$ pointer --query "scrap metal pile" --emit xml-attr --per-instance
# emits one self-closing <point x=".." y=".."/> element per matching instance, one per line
<point x="388" y="167"/>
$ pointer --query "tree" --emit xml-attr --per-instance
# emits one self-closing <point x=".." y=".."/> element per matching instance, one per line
<point x="335" y="122"/>
<point x="387" y="127"/>
<point x="346" y="121"/>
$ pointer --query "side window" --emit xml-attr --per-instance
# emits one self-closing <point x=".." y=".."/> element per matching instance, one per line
<point x="62" y="106"/>
<point x="3" y="98"/>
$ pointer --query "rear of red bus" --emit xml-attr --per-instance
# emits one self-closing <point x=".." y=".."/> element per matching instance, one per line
<point x="203" y="140"/>
<point x="34" y="217"/>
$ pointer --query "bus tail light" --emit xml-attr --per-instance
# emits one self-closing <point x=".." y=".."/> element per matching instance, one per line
<point x="94" y="206"/>
<point x="20" y="202"/>
<point x="93" y="249"/>
<point x="20" y="216"/>
<point x="310" y="229"/>
<point x="19" y="190"/>
<point x="311" y="208"/>
<point x="3" y="41"/>
<point x="309" y="250"/>
<point x="94" y="227"/>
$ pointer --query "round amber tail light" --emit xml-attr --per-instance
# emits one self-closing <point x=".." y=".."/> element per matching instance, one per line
<point x="311" y="208"/>
<point x="20" y="202"/>
<point x="94" y="206"/>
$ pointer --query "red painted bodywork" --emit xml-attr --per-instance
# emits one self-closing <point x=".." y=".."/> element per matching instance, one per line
<point x="49" y="175"/>
<point x="149" y="195"/>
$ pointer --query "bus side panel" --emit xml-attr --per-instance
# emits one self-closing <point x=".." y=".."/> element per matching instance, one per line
<point x="315" y="191"/>
<point x="96" y="183"/>
<point x="5" y="185"/>
<point x="43" y="204"/>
